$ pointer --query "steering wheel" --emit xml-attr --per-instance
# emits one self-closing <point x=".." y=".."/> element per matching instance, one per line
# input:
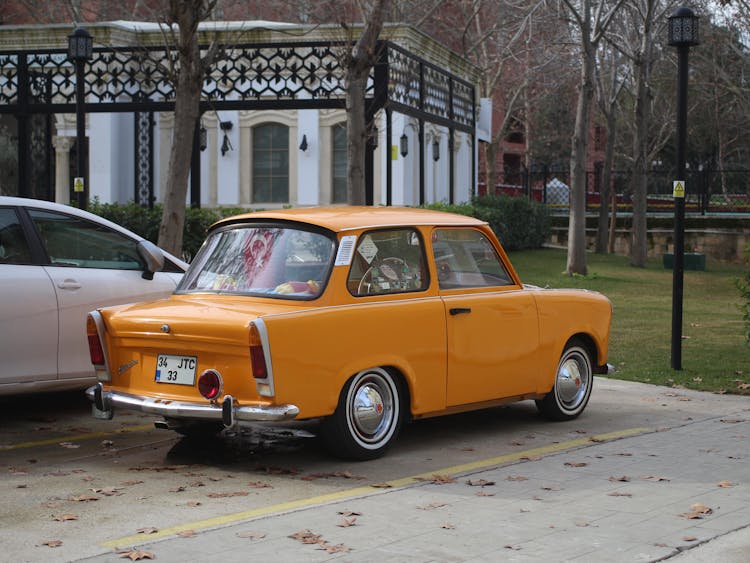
<point x="391" y="271"/>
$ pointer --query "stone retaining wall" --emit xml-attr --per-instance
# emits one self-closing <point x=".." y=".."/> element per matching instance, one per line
<point x="718" y="244"/>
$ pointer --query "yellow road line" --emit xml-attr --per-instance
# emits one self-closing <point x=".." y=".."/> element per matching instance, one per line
<point x="76" y="438"/>
<point x="368" y="490"/>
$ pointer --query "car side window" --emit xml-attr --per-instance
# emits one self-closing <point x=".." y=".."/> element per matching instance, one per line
<point x="465" y="258"/>
<point x="71" y="241"/>
<point x="388" y="261"/>
<point x="14" y="249"/>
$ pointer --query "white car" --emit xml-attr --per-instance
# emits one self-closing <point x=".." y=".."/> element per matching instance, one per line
<point x="57" y="263"/>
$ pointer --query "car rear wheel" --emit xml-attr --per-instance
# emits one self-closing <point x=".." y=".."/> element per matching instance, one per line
<point x="572" y="388"/>
<point x="368" y="416"/>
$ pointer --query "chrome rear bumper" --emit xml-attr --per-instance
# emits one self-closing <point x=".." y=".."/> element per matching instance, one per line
<point x="105" y="402"/>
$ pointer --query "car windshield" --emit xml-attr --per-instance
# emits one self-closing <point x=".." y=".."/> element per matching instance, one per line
<point x="269" y="260"/>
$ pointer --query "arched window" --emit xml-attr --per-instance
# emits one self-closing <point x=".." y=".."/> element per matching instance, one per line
<point x="271" y="163"/>
<point x="338" y="163"/>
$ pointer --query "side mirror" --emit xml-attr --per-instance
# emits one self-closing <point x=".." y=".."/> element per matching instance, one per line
<point x="152" y="256"/>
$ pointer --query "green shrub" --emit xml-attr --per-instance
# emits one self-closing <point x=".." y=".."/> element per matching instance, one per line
<point x="517" y="222"/>
<point x="145" y="222"/>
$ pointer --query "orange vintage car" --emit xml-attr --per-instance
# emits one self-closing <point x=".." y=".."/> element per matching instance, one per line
<point x="362" y="317"/>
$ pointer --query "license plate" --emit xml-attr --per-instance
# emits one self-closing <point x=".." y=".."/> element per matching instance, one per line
<point x="176" y="369"/>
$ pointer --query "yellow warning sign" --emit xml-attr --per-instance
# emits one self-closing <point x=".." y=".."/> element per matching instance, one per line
<point x="78" y="185"/>
<point x="678" y="188"/>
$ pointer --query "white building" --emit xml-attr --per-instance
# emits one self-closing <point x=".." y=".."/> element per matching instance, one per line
<point x="272" y="121"/>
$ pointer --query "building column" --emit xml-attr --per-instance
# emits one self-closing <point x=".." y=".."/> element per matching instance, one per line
<point x="62" y="167"/>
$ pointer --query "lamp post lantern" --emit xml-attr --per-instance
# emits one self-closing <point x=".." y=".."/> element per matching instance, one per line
<point x="80" y="46"/>
<point x="683" y="34"/>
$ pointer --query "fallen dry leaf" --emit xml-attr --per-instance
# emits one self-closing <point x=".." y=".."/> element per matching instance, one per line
<point x="194" y="503"/>
<point x="697" y="511"/>
<point x="725" y="484"/>
<point x="621" y="479"/>
<point x="516" y="443"/>
<point x="442" y="479"/>
<point x="689" y="538"/>
<point x="187" y="534"/>
<point x="448" y="526"/>
<point x="347" y="522"/>
<point x="654" y="478"/>
<point x="65" y="518"/>
<point x="381" y="485"/>
<point x="178" y="489"/>
<point x="270" y="470"/>
<point x="484" y="494"/>
<point x="512" y="547"/>
<point x="432" y="506"/>
<point x="52" y="543"/>
<point x="349" y="513"/>
<point x="107" y="443"/>
<point x="307" y="536"/>
<point x="251" y="535"/>
<point x="530" y="458"/>
<point x="131" y="482"/>
<point x="227" y="495"/>
<point x="742" y="385"/>
<point x="516" y="478"/>
<point x="732" y="420"/>
<point x="159" y="468"/>
<point x="108" y="491"/>
<point x="83" y="498"/>
<point x="148" y="530"/>
<point x="330" y="548"/>
<point x="582" y="524"/>
<point x="551" y="488"/>
<point x="259" y="485"/>
<point x="135" y="554"/>
<point x="479" y="483"/>
<point x="70" y="445"/>
<point x="576" y="464"/>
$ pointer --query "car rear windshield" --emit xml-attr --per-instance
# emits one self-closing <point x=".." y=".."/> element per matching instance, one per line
<point x="268" y="260"/>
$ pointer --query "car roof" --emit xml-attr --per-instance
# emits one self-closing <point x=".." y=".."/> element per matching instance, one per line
<point x="347" y="218"/>
<point x="70" y="210"/>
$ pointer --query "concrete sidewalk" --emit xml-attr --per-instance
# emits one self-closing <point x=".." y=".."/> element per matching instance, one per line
<point x="681" y="493"/>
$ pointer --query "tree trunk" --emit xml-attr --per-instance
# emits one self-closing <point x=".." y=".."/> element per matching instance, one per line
<point x="186" y="14"/>
<point x="356" y="135"/>
<point x="602" y="233"/>
<point x="577" y="218"/>
<point x="363" y="57"/>
<point x="639" y="242"/>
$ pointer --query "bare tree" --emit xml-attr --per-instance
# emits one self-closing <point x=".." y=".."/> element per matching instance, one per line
<point x="358" y="66"/>
<point x="591" y="20"/>
<point x="180" y="27"/>
<point x="637" y="40"/>
<point x="607" y="96"/>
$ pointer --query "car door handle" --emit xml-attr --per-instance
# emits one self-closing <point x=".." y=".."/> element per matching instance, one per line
<point x="69" y="284"/>
<point x="459" y="310"/>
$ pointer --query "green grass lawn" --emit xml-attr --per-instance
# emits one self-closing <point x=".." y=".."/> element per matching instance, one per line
<point x="715" y="355"/>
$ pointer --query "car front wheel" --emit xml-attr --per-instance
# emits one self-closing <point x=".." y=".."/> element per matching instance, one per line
<point x="572" y="388"/>
<point x="368" y="416"/>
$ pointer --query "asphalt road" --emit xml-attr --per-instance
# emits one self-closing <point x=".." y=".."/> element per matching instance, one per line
<point x="78" y="488"/>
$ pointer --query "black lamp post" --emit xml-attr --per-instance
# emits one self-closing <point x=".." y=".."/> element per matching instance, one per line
<point x="683" y="34"/>
<point x="80" y="46"/>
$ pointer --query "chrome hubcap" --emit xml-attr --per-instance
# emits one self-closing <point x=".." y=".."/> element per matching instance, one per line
<point x="572" y="380"/>
<point x="371" y="409"/>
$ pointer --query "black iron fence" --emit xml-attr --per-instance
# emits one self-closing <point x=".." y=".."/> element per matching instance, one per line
<point x="708" y="191"/>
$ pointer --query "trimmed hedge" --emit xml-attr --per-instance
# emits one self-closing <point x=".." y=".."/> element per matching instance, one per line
<point x="145" y="222"/>
<point x="517" y="222"/>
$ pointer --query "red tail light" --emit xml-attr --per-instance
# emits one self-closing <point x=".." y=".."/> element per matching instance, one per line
<point x="96" y="352"/>
<point x="210" y="384"/>
<point x="257" y="357"/>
